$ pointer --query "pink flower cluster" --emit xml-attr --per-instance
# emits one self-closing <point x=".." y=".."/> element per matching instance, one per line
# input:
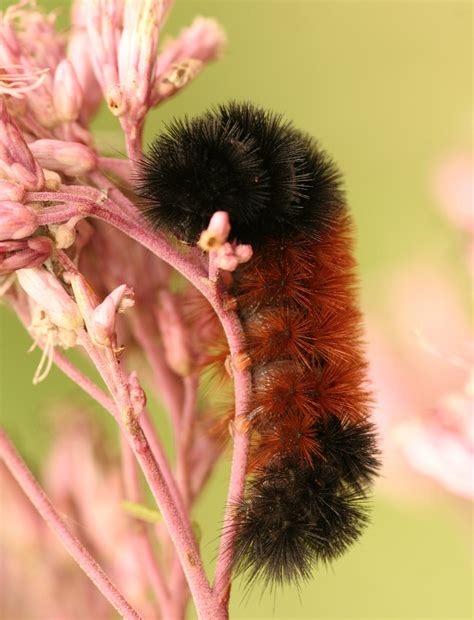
<point x="84" y="482"/>
<point x="424" y="383"/>
<point x="80" y="269"/>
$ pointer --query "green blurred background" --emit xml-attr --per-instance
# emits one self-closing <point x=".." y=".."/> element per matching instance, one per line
<point x="387" y="89"/>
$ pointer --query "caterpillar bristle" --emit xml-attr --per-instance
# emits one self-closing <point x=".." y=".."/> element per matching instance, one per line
<point x="240" y="159"/>
<point x="313" y="453"/>
<point x="294" y="516"/>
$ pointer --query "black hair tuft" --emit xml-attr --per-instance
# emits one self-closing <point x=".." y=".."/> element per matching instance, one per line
<point x="271" y="179"/>
<point x="295" y="516"/>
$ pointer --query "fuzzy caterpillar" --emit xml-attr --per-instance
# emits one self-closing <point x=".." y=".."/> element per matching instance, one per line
<point x="313" y="454"/>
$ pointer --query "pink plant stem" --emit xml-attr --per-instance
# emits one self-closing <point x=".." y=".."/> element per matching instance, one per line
<point x="108" y="404"/>
<point x="242" y="383"/>
<point x="184" y="435"/>
<point x="119" y="167"/>
<point x="170" y="388"/>
<point x="133" y="131"/>
<point x="157" y="450"/>
<point x="242" y="390"/>
<point x="145" y="420"/>
<point x="142" y="531"/>
<point x="242" y="377"/>
<point x="179" y="529"/>
<point x="114" y="194"/>
<point x="169" y="384"/>
<point x="89" y="205"/>
<point x="42" y="504"/>
<point x="213" y="268"/>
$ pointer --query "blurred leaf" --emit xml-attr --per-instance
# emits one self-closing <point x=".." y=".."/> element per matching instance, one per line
<point x="142" y="512"/>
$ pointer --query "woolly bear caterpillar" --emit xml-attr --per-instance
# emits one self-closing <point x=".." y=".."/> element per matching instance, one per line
<point x="314" y="453"/>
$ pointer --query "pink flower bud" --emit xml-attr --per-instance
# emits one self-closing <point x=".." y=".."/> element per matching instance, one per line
<point x="100" y="318"/>
<point x="117" y="100"/>
<point x="24" y="254"/>
<point x="173" y="334"/>
<point x="244" y="253"/>
<point x="204" y="40"/>
<point x="64" y="234"/>
<point x="183" y="58"/>
<point x="49" y="294"/>
<point x="103" y="20"/>
<point x="86" y="297"/>
<point x="52" y="180"/>
<point x="67" y="93"/>
<point x="71" y="158"/>
<point x="178" y="75"/>
<point x="11" y="191"/>
<point x="230" y="256"/>
<point x="137" y="394"/>
<point x="16" y="160"/>
<point x="216" y="233"/>
<point x="80" y="58"/>
<point x="16" y="220"/>
<point x="137" y="51"/>
<point x="226" y="259"/>
<point x="10" y="49"/>
<point x="104" y="317"/>
<point x="454" y="185"/>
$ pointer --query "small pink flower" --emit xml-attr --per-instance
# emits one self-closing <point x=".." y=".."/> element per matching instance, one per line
<point x="16" y="160"/>
<point x="415" y="381"/>
<point x="47" y="293"/>
<point x="216" y="233"/>
<point x="137" y="394"/>
<point x="440" y="443"/>
<point x="24" y="254"/>
<point x="137" y="52"/>
<point x="71" y="158"/>
<point x="204" y="40"/>
<point x="55" y="317"/>
<point x="79" y="57"/>
<point x="104" y="316"/>
<point x="454" y="186"/>
<point x="100" y="318"/>
<point x="103" y="20"/>
<point x="67" y="92"/>
<point x="16" y="220"/>
<point x="173" y="334"/>
<point x="183" y="58"/>
<point x="11" y="191"/>
<point x="176" y="77"/>
<point x="230" y="256"/>
<point x="243" y="252"/>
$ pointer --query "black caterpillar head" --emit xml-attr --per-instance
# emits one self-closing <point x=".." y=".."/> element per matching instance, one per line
<point x="272" y="180"/>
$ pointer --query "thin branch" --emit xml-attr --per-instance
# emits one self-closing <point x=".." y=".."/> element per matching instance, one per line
<point x="184" y="435"/>
<point x="169" y="385"/>
<point x="77" y="550"/>
<point x="157" y="244"/>
<point x="146" y="553"/>
<point x="119" y="167"/>
<point x="179" y="529"/>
